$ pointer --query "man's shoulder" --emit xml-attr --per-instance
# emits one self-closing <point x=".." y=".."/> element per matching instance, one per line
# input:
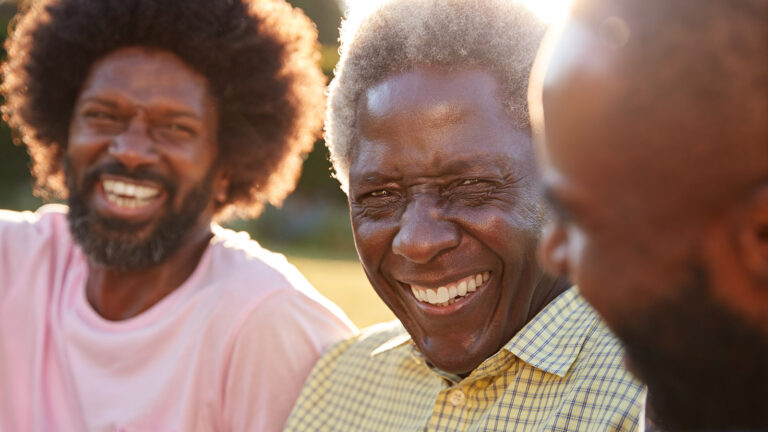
<point x="244" y="266"/>
<point x="373" y="349"/>
<point x="244" y="279"/>
<point x="36" y="248"/>
<point x="378" y="339"/>
<point x="30" y="223"/>
<point x="33" y="233"/>
<point x="347" y="386"/>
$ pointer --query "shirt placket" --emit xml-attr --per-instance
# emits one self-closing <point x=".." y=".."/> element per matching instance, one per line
<point x="456" y="405"/>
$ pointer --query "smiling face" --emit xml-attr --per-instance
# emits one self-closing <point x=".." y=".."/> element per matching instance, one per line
<point x="140" y="157"/>
<point x="445" y="212"/>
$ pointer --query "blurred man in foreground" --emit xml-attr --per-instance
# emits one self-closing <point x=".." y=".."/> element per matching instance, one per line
<point x="131" y="311"/>
<point x="653" y="131"/>
<point x="429" y="136"/>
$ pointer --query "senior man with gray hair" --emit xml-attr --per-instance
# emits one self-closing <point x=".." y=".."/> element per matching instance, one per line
<point x="429" y="136"/>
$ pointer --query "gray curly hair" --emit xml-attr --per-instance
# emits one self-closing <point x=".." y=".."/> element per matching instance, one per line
<point x="386" y="37"/>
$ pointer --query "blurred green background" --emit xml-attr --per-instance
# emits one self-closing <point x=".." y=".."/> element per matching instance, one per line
<point x="312" y="227"/>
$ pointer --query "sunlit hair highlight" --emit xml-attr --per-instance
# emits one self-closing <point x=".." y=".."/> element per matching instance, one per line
<point x="381" y="38"/>
<point x="259" y="57"/>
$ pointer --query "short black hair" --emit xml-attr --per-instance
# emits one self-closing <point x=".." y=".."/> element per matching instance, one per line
<point x="260" y="58"/>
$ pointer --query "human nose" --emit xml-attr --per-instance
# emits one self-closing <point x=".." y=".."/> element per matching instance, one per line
<point x="424" y="232"/>
<point x="134" y="146"/>
<point x="553" y="249"/>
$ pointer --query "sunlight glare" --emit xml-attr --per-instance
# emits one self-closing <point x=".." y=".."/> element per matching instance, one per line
<point x="551" y="11"/>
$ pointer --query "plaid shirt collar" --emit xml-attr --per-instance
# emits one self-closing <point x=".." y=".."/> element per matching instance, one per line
<point x="551" y="341"/>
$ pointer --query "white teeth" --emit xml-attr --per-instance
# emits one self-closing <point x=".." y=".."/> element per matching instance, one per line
<point x="463" y="288"/>
<point x="431" y="296"/>
<point x="442" y="294"/>
<point x="129" y="195"/>
<point x="129" y="190"/>
<point x="449" y="294"/>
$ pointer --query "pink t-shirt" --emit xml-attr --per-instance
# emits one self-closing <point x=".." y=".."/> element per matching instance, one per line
<point x="227" y="351"/>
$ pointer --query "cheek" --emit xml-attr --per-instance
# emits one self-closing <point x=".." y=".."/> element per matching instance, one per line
<point x="507" y="233"/>
<point x="192" y="162"/>
<point x="83" y="148"/>
<point x="373" y="240"/>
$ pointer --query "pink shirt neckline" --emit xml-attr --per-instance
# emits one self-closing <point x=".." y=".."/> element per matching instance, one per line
<point x="155" y="313"/>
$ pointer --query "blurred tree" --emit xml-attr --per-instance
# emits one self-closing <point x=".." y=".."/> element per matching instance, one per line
<point x="15" y="183"/>
<point x="326" y="14"/>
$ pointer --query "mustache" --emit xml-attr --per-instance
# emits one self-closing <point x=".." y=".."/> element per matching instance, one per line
<point x="94" y="173"/>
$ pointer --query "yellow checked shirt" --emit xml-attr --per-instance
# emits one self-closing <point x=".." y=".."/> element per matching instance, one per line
<point x="562" y="372"/>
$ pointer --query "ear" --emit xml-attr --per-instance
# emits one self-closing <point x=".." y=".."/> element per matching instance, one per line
<point x="220" y="187"/>
<point x="553" y="250"/>
<point x="752" y="231"/>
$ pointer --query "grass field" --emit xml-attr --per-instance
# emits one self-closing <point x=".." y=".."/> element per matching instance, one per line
<point x="344" y="283"/>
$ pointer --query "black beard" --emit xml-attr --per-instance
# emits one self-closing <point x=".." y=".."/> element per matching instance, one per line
<point x="706" y="368"/>
<point x="113" y="243"/>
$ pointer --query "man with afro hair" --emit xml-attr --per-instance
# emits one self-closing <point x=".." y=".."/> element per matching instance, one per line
<point x="130" y="309"/>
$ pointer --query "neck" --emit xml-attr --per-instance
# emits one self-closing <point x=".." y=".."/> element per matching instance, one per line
<point x="548" y="289"/>
<point x="121" y="294"/>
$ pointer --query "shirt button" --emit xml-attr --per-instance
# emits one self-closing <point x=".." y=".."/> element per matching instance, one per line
<point x="457" y="397"/>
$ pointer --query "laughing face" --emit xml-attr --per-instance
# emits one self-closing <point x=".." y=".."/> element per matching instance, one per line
<point x="445" y="212"/>
<point x="140" y="159"/>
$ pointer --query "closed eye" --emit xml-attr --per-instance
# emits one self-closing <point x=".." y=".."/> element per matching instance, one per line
<point x="99" y="115"/>
<point x="177" y="130"/>
<point x="470" y="191"/>
<point x="378" y="203"/>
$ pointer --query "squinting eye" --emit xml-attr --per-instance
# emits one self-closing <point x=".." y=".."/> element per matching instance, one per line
<point x="468" y="182"/>
<point x="99" y="115"/>
<point x="176" y="127"/>
<point x="380" y="193"/>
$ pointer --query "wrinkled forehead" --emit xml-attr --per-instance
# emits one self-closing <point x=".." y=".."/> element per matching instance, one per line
<point x="462" y="105"/>
<point x="438" y="93"/>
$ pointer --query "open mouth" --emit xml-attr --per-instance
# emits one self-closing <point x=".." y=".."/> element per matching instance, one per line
<point x="126" y="194"/>
<point x="450" y="293"/>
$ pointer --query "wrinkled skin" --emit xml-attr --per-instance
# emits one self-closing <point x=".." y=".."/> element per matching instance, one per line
<point x="443" y="186"/>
